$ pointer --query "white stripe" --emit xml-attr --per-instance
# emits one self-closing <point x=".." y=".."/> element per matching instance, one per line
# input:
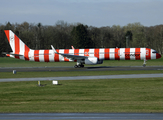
<point x="61" y="58"/>
<point x="21" y="52"/>
<point x="31" y="55"/>
<point x="101" y="54"/>
<point x="21" y="57"/>
<point x="142" y="54"/>
<point x="22" y="47"/>
<point x="122" y="53"/>
<point x="153" y="55"/>
<point x="41" y="55"/>
<point x="51" y="56"/>
<point x="112" y="54"/>
<point x="132" y="51"/>
<point x="12" y="41"/>
<point x="81" y="52"/>
<point x="91" y="52"/>
<point x="71" y="52"/>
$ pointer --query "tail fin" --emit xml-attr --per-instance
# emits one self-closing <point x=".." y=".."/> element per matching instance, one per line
<point x="17" y="46"/>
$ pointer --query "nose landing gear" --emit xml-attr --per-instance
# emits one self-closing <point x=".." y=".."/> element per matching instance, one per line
<point x="144" y="64"/>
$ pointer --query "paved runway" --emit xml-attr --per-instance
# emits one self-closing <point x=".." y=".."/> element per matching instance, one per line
<point x="83" y="77"/>
<point x="100" y="68"/>
<point x="81" y="116"/>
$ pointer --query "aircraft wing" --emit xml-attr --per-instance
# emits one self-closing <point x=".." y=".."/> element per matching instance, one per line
<point x="69" y="56"/>
<point x="73" y="57"/>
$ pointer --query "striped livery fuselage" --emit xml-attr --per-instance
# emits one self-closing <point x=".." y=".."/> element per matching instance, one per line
<point x="101" y="54"/>
<point x="22" y="51"/>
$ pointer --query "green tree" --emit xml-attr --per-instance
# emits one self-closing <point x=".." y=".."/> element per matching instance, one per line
<point x="128" y="38"/>
<point x="80" y="36"/>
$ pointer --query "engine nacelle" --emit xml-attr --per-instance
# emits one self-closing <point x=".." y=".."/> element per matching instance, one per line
<point x="92" y="61"/>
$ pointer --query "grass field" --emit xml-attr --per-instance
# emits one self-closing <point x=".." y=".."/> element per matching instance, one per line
<point x="11" y="62"/>
<point x="119" y="95"/>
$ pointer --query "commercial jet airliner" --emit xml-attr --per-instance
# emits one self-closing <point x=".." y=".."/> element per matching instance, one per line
<point x="81" y="56"/>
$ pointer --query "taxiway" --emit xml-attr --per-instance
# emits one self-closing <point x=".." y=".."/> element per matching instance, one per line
<point x="83" y="77"/>
<point x="99" y="68"/>
<point x="102" y="68"/>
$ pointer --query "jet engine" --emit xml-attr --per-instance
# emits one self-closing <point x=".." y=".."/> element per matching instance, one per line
<point x="92" y="61"/>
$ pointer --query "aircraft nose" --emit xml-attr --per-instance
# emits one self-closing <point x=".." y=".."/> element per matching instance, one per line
<point x="158" y="55"/>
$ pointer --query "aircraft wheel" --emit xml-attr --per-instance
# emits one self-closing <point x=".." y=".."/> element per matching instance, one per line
<point x="75" y="66"/>
<point x="82" y="65"/>
<point x="144" y="65"/>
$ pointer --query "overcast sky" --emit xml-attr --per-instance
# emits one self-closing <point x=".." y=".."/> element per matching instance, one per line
<point x="96" y="13"/>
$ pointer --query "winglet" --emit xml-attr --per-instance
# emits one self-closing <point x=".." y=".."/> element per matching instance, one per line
<point x="54" y="49"/>
<point x="72" y="47"/>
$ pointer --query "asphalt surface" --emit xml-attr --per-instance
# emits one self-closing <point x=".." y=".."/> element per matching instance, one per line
<point x="100" y="68"/>
<point x="83" y="77"/>
<point x="81" y="116"/>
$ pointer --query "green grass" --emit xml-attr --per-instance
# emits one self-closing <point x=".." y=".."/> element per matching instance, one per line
<point x="120" y="95"/>
<point x="72" y="73"/>
<point x="12" y="62"/>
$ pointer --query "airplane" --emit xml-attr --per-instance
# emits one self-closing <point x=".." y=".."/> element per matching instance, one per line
<point x="90" y="56"/>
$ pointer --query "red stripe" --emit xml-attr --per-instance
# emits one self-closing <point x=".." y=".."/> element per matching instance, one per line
<point x="56" y="57"/>
<point x="46" y="55"/>
<point x="107" y="54"/>
<point x="76" y="52"/>
<point x="17" y="46"/>
<point x="7" y="35"/>
<point x="66" y="51"/>
<point x="96" y="53"/>
<point x="8" y="55"/>
<point x="36" y="55"/>
<point x="26" y="53"/>
<point x="127" y="53"/>
<point x="86" y="52"/>
<point x="117" y="57"/>
<point x="137" y="53"/>
<point x="148" y="54"/>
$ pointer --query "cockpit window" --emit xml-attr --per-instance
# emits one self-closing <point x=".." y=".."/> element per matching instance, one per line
<point x="154" y="52"/>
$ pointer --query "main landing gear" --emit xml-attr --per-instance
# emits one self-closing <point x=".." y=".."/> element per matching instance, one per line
<point x="144" y="64"/>
<point x="79" y="66"/>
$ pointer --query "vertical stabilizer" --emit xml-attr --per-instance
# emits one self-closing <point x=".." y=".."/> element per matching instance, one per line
<point x="17" y="46"/>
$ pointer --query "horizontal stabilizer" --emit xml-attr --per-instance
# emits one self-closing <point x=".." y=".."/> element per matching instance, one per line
<point x="11" y="54"/>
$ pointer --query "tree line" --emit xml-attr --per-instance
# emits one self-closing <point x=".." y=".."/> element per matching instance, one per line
<point x="63" y="35"/>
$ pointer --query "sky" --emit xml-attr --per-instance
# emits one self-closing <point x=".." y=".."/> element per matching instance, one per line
<point x="97" y="13"/>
